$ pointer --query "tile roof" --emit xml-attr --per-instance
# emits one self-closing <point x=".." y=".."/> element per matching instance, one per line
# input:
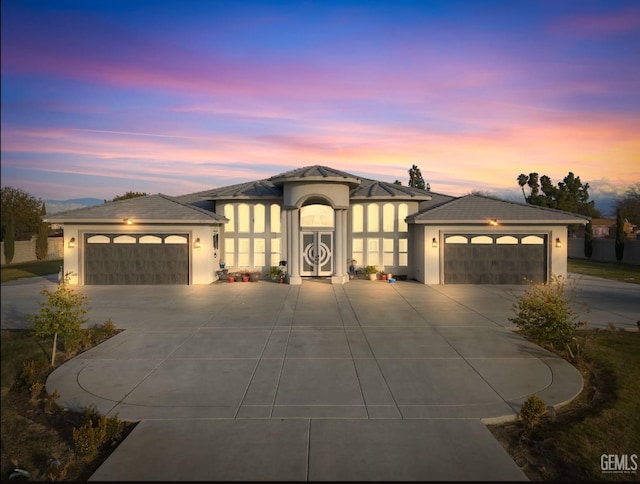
<point x="152" y="208"/>
<point x="378" y="189"/>
<point x="480" y="209"/>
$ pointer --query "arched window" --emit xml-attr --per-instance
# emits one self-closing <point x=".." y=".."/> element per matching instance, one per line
<point x="275" y="218"/>
<point x="403" y="211"/>
<point x="373" y="216"/>
<point x="244" y="218"/>
<point x="230" y="226"/>
<point x="258" y="218"/>
<point x="388" y="218"/>
<point x="357" y="218"/>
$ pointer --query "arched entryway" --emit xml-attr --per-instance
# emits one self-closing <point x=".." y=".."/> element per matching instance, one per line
<point x="317" y="233"/>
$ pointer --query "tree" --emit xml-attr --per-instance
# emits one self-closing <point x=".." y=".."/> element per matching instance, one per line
<point x="522" y="181"/>
<point x="397" y="182"/>
<point x="9" y="239"/>
<point x="570" y="195"/>
<point x="619" y="235"/>
<point x="629" y="204"/>
<point x="61" y="314"/>
<point x="25" y="209"/>
<point x="415" y="178"/>
<point x="588" y="240"/>
<point x="42" y="241"/>
<point x="128" y="195"/>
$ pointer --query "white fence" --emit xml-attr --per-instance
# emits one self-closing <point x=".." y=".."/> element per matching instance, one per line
<point x="605" y="250"/>
<point x="25" y="250"/>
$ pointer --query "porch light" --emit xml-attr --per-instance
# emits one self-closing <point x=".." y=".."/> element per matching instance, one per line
<point x="196" y="244"/>
<point x="434" y="243"/>
<point x="72" y="242"/>
<point x="128" y="221"/>
<point x="558" y="242"/>
<point x="493" y="222"/>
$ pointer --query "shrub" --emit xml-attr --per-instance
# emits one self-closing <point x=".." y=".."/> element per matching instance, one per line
<point x="532" y="411"/>
<point x="87" y="440"/>
<point x="546" y="314"/>
<point x="32" y="372"/>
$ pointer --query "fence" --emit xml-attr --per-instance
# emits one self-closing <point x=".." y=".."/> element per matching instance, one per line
<point x="605" y="250"/>
<point x="25" y="250"/>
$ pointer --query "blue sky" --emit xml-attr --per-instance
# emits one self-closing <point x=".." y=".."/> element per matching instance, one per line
<point x="100" y="98"/>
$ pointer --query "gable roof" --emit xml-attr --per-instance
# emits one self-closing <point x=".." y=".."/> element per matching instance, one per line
<point x="147" y="209"/>
<point x="474" y="209"/>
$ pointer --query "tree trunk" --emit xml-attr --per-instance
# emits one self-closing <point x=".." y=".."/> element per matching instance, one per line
<point x="53" y="351"/>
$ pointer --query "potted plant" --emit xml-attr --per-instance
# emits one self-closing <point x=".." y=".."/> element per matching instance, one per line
<point x="231" y="278"/>
<point x="254" y="276"/>
<point x="245" y="277"/>
<point x="372" y="272"/>
<point x="274" y="273"/>
<point x="383" y="276"/>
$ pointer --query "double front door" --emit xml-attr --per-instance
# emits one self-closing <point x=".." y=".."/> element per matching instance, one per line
<point x="317" y="253"/>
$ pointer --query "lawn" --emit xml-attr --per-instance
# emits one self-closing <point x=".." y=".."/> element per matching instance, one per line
<point x="11" y="272"/>
<point x="608" y="270"/>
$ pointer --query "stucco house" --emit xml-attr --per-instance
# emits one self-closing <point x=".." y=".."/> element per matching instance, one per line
<point x="318" y="219"/>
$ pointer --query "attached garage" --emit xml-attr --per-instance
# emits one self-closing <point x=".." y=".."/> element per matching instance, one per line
<point x="495" y="259"/>
<point x="136" y="259"/>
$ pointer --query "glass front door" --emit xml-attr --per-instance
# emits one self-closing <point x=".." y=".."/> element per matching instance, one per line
<point x="317" y="253"/>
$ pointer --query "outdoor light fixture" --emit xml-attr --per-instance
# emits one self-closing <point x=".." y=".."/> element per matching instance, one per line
<point x="196" y="244"/>
<point x="128" y="221"/>
<point x="493" y="222"/>
<point x="72" y="242"/>
<point x="434" y="242"/>
<point x="558" y="242"/>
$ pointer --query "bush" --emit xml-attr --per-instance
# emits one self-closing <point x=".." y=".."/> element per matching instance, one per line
<point x="33" y="372"/>
<point x="532" y="411"/>
<point x="545" y="312"/>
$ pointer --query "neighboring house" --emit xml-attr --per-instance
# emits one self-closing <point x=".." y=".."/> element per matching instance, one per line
<point x="603" y="228"/>
<point x="318" y="219"/>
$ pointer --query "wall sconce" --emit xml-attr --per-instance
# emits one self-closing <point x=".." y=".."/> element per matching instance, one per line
<point x="128" y="221"/>
<point x="493" y="222"/>
<point x="434" y="243"/>
<point x="558" y="242"/>
<point x="196" y="244"/>
<point x="72" y="242"/>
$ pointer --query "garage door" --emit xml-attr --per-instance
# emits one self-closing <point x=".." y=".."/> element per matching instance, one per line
<point x="494" y="259"/>
<point x="136" y="259"/>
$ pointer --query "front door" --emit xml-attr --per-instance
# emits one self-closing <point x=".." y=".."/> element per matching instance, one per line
<point x="317" y="253"/>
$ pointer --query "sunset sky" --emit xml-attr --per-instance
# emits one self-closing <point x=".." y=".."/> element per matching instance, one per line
<point x="104" y="97"/>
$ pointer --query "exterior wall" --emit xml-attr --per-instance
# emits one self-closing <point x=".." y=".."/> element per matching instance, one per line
<point x="431" y="263"/>
<point x="296" y="193"/>
<point x="203" y="261"/>
<point x="605" y="250"/>
<point x="25" y="250"/>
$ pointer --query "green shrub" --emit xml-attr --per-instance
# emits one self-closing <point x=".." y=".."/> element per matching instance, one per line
<point x="545" y="312"/>
<point x="532" y="411"/>
<point x="32" y="372"/>
<point x="87" y="440"/>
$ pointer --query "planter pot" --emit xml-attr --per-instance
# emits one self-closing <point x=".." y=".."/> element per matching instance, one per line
<point x="245" y="278"/>
<point x="383" y="277"/>
<point x="372" y="277"/>
<point x="231" y="279"/>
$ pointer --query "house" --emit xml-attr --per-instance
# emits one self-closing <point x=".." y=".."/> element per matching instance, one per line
<point x="318" y="219"/>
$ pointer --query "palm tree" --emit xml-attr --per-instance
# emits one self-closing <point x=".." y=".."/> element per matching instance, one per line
<point x="522" y="181"/>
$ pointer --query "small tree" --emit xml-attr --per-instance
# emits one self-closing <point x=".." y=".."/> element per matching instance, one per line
<point x="42" y="241"/>
<point x="63" y="313"/>
<point x="415" y="178"/>
<point x="546" y="314"/>
<point x="619" y="235"/>
<point x="588" y="240"/>
<point x="10" y="239"/>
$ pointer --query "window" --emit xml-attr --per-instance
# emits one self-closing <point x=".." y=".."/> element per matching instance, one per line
<point x="244" y="248"/>
<point x="275" y="219"/>
<point x="259" y="249"/>
<point x="373" y="252"/>
<point x="357" y="251"/>
<point x="387" y="252"/>
<point x="373" y="213"/>
<point x="275" y="251"/>
<point x="228" y="213"/>
<point x="357" y="218"/>
<point x="258" y="219"/>
<point x="316" y="216"/>
<point x="230" y="252"/>
<point x="403" y="211"/>
<point x="403" y="252"/>
<point x="388" y="218"/>
<point x="243" y="218"/>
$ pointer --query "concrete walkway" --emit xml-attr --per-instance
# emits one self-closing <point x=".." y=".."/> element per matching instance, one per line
<point x="262" y="381"/>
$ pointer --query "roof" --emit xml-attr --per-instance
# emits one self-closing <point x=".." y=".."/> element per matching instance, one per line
<point x="150" y="208"/>
<point x="378" y="189"/>
<point x="480" y="209"/>
<point x="316" y="173"/>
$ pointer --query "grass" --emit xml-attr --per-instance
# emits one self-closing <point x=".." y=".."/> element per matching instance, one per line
<point x="12" y="272"/>
<point x="604" y="419"/>
<point x="608" y="270"/>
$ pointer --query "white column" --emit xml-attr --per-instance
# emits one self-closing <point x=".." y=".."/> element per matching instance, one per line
<point x="293" y="266"/>
<point x="339" y="245"/>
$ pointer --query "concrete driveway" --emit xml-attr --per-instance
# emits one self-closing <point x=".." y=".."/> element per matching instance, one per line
<point x="261" y="381"/>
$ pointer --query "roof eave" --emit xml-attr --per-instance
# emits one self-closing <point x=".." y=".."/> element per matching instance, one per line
<point x="500" y="222"/>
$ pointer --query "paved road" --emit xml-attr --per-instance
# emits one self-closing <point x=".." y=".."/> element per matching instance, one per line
<point x="261" y="381"/>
